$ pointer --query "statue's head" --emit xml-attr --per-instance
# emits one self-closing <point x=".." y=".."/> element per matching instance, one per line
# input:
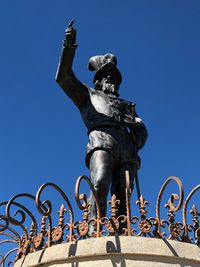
<point x="107" y="77"/>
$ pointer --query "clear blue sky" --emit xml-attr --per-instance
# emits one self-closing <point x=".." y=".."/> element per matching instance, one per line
<point x="42" y="137"/>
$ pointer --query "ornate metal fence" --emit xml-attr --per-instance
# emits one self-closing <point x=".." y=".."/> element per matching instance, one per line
<point x="40" y="232"/>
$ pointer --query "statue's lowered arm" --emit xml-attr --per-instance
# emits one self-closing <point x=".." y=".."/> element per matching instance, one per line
<point x="136" y="126"/>
<point x="65" y="76"/>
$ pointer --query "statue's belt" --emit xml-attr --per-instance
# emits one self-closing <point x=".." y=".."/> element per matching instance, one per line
<point x="107" y="127"/>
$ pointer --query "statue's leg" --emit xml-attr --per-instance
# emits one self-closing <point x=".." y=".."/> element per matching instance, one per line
<point x="101" y="168"/>
<point x="119" y="185"/>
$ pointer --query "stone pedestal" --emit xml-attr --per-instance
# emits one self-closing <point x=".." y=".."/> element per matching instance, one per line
<point x="115" y="251"/>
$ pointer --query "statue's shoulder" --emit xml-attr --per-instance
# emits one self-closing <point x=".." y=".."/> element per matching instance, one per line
<point x="91" y="90"/>
<point x="94" y="92"/>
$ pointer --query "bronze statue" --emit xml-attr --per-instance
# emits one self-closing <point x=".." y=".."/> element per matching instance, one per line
<point x="115" y="131"/>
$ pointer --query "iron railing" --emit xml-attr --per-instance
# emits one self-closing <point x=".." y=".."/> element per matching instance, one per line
<point x="35" y="235"/>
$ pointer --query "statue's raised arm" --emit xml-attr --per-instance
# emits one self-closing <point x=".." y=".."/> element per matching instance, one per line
<point x="65" y="76"/>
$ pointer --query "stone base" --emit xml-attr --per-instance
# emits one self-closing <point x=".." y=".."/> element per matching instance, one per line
<point x="115" y="251"/>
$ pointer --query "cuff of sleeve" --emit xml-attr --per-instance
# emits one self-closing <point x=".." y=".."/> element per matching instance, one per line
<point x="65" y="44"/>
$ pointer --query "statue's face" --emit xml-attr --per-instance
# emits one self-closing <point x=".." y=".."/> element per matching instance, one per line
<point x="108" y="85"/>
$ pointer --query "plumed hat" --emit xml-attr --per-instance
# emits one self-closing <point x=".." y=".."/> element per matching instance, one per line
<point x="104" y="65"/>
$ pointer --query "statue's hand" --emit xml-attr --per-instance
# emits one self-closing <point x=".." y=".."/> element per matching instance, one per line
<point x="70" y="34"/>
<point x="138" y="120"/>
<point x="132" y="121"/>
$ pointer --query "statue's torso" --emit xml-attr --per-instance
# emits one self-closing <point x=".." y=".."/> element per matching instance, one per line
<point x="103" y="110"/>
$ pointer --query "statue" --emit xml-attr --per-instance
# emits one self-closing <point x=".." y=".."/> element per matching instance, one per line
<point x="115" y="131"/>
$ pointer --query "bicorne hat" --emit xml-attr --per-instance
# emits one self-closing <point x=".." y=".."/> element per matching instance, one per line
<point x="105" y="65"/>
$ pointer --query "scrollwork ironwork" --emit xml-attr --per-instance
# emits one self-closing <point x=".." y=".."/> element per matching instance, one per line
<point x="32" y="239"/>
<point x="47" y="211"/>
<point x="84" y="204"/>
<point x="170" y="205"/>
<point x="195" y="226"/>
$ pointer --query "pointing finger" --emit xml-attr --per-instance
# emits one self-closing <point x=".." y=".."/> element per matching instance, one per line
<point x="71" y="23"/>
